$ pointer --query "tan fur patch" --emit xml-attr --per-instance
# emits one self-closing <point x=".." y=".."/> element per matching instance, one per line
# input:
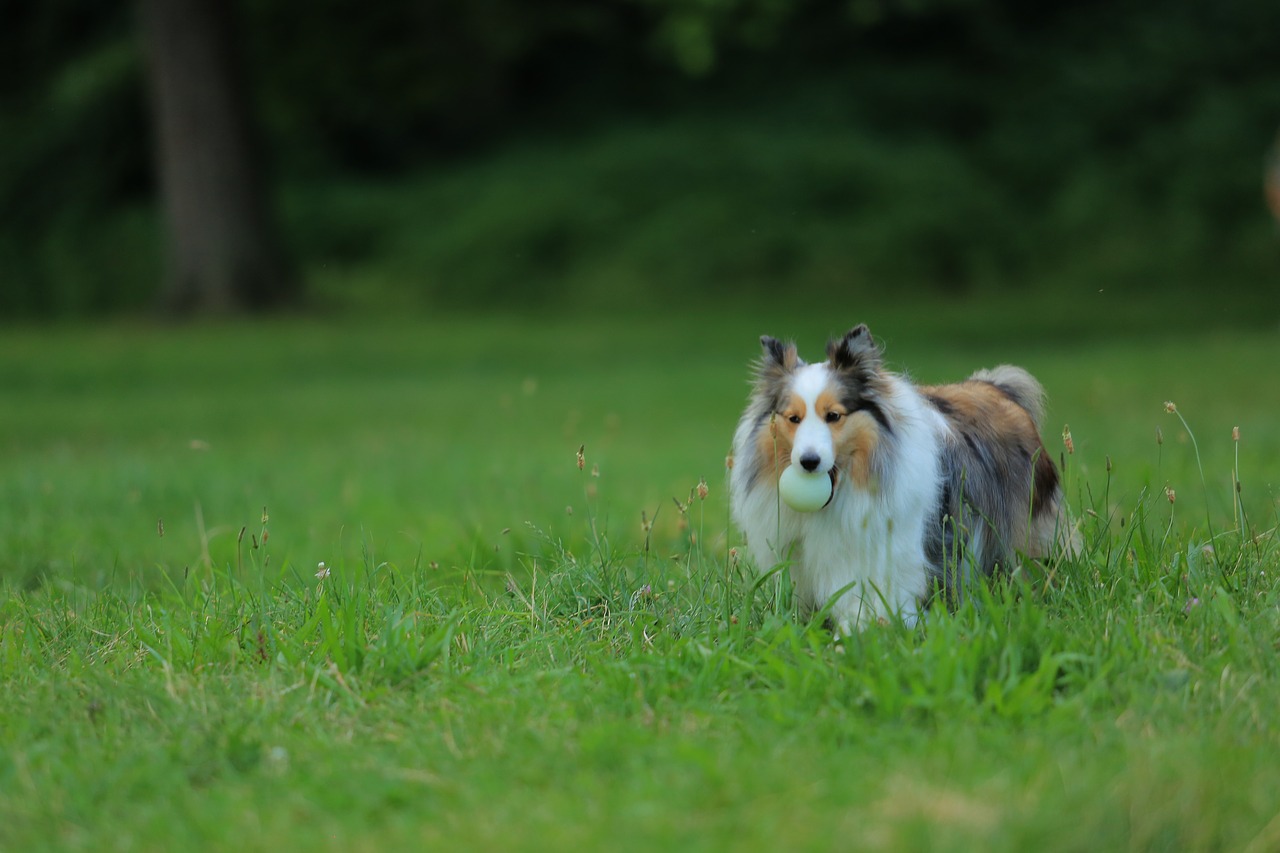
<point x="775" y="441"/>
<point x="828" y="402"/>
<point x="986" y="410"/>
<point x="856" y="439"/>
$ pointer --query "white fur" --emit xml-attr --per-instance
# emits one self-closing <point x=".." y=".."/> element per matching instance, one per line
<point x="864" y="553"/>
<point x="812" y="435"/>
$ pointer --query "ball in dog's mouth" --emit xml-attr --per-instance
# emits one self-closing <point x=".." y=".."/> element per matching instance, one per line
<point x="804" y="491"/>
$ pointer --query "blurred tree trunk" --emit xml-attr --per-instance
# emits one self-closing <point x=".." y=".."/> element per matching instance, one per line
<point x="223" y="252"/>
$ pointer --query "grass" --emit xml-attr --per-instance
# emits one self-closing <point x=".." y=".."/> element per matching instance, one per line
<point x="501" y="655"/>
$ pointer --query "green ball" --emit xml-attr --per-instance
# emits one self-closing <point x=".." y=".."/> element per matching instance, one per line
<point x="802" y="491"/>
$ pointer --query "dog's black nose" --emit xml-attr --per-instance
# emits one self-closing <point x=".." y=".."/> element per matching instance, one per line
<point x="809" y="462"/>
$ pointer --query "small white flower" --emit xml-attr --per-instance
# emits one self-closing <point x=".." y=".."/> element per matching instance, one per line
<point x="322" y="571"/>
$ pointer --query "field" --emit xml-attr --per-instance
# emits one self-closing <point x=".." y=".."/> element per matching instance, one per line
<point x="504" y="649"/>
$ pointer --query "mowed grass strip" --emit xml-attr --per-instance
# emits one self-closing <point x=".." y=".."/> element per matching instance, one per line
<point x="500" y="649"/>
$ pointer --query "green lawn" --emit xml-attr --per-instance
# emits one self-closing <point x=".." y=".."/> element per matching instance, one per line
<point x="502" y="658"/>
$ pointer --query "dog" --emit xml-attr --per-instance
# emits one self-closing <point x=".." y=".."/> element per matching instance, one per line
<point x="931" y="485"/>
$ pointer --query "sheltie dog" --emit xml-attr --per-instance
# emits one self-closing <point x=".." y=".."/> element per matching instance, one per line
<point x="931" y="485"/>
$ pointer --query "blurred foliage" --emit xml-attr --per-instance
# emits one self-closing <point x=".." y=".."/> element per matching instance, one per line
<point x="461" y="151"/>
<point x="73" y="161"/>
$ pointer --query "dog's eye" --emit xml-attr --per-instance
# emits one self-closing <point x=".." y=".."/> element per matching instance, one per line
<point x="832" y="417"/>
<point x="795" y="419"/>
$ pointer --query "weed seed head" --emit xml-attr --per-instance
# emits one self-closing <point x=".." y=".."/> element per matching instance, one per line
<point x="1170" y="407"/>
<point x="322" y="571"/>
<point x="278" y="759"/>
<point x="582" y="458"/>
<point x="1170" y="494"/>
<point x="702" y="489"/>
<point x="728" y="462"/>
<point x="1066" y="439"/>
<point x="1235" y="433"/>
<point x="1159" y="436"/>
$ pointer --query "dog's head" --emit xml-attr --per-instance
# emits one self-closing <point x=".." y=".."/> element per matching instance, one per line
<point x="822" y="416"/>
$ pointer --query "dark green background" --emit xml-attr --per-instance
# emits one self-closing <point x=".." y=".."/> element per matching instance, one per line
<point x="463" y="154"/>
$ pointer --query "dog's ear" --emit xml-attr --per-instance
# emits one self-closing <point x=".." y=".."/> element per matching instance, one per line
<point x="778" y="356"/>
<point x="856" y="351"/>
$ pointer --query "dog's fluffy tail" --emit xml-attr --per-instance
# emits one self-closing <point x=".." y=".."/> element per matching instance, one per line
<point x="1021" y="386"/>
